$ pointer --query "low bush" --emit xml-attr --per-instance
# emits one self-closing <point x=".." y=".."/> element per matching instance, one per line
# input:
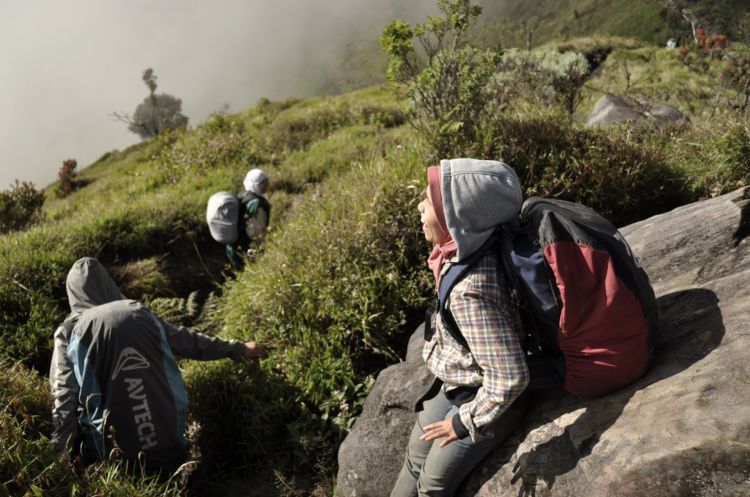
<point x="551" y="76"/>
<point x="243" y="418"/>
<point x="28" y="465"/>
<point x="730" y="152"/>
<point x="27" y="322"/>
<point x="219" y="143"/>
<point x="177" y="310"/>
<point x="596" y="49"/>
<point x="297" y="127"/>
<point x="612" y="171"/>
<point x="449" y="81"/>
<point x="343" y="150"/>
<point x="66" y="175"/>
<point x="142" y="279"/>
<point x="20" y="207"/>
<point x="736" y="75"/>
<point x="381" y="116"/>
<point x="714" y="158"/>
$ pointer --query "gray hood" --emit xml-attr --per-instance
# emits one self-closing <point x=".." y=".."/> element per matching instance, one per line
<point x="478" y="195"/>
<point x="89" y="285"/>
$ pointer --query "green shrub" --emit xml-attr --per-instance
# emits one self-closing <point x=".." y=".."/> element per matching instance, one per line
<point x="338" y="153"/>
<point x="596" y="49"/>
<point x="142" y="279"/>
<point x="451" y="91"/>
<point x="715" y="157"/>
<point x="218" y="143"/>
<point x="20" y="206"/>
<point x="297" y="127"/>
<point x="694" y="57"/>
<point x="25" y="398"/>
<point x="730" y="152"/>
<point x="26" y="328"/>
<point x="177" y="310"/>
<point x="609" y="170"/>
<point x="550" y="75"/>
<point x="381" y="116"/>
<point x="28" y="465"/>
<point x="242" y="416"/>
<point x="736" y="75"/>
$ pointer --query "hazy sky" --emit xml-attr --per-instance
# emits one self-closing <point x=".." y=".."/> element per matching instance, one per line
<point x="68" y="65"/>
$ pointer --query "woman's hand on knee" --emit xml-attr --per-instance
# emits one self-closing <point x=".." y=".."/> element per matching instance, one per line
<point x="440" y="429"/>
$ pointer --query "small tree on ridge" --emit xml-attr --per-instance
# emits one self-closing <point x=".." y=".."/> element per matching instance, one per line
<point x="156" y="114"/>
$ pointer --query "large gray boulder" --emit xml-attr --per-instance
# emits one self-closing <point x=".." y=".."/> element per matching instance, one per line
<point x="614" y="109"/>
<point x="372" y="454"/>
<point x="682" y="430"/>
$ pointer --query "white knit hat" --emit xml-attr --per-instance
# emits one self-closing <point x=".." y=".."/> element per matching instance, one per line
<point x="253" y="179"/>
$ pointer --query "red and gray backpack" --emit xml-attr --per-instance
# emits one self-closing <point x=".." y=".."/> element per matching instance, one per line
<point x="584" y="298"/>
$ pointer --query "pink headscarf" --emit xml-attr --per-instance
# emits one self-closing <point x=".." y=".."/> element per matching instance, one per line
<point x="447" y="248"/>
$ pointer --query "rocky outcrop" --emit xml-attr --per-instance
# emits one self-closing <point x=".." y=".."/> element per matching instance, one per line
<point x="372" y="455"/>
<point x="614" y="109"/>
<point x="683" y="429"/>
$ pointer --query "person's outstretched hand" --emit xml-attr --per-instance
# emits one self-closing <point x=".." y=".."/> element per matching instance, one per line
<point x="254" y="350"/>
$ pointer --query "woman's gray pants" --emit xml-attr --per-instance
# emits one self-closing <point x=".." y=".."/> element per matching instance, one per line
<point x="432" y="471"/>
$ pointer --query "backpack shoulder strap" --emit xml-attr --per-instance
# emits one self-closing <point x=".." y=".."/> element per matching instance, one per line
<point x="449" y="279"/>
<point x="252" y="202"/>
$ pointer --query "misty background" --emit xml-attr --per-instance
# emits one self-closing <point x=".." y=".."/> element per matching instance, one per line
<point x="68" y="66"/>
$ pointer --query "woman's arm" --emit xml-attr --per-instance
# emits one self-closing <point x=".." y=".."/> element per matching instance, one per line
<point x="488" y="321"/>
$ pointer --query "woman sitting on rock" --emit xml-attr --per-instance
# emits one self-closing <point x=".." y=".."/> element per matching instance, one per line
<point x="484" y="373"/>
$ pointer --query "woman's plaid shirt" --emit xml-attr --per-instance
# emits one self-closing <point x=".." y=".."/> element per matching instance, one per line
<point x="495" y="361"/>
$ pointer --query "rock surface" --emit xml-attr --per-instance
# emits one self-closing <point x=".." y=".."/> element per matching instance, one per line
<point x="683" y="429"/>
<point x="613" y="109"/>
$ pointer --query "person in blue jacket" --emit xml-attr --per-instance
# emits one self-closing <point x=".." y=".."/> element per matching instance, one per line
<point x="114" y="378"/>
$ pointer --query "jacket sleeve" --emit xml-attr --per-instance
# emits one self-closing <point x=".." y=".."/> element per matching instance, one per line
<point x="193" y="345"/>
<point x="64" y="387"/>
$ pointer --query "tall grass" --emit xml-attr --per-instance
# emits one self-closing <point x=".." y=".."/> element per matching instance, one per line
<point x="29" y="466"/>
<point x="334" y="297"/>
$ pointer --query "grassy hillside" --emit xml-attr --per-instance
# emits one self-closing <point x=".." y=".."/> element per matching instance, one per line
<point x="342" y="279"/>
<point x="141" y="212"/>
